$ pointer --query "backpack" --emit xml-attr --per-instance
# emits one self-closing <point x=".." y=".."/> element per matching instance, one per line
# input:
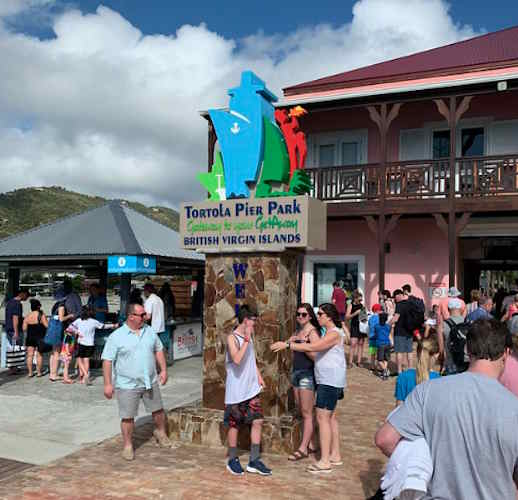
<point x="457" y="344"/>
<point x="415" y="315"/>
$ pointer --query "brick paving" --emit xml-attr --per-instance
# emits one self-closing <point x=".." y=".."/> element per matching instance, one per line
<point x="192" y="472"/>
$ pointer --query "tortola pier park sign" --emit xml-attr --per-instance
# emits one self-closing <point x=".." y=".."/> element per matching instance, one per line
<point x="258" y="188"/>
<point x="258" y="221"/>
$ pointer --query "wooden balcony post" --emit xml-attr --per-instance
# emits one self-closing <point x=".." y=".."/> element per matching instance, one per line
<point x="452" y="239"/>
<point x="383" y="120"/>
<point x="452" y="113"/>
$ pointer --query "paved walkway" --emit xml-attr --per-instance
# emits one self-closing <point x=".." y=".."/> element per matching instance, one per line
<point x="191" y="472"/>
<point x="41" y="421"/>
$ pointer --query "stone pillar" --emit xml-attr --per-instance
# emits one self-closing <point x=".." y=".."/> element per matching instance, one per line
<point x="268" y="282"/>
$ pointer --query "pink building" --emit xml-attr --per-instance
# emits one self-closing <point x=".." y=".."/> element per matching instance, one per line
<point x="417" y="160"/>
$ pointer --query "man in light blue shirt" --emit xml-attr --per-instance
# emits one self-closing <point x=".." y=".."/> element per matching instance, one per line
<point x="135" y="349"/>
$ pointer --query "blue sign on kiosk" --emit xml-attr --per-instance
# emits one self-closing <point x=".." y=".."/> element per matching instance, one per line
<point x="136" y="264"/>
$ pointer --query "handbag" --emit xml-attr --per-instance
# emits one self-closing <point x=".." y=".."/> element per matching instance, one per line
<point x="54" y="333"/>
<point x="15" y="356"/>
<point x="364" y="327"/>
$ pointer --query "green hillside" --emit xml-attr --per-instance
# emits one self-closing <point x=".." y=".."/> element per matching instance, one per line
<point x="26" y="208"/>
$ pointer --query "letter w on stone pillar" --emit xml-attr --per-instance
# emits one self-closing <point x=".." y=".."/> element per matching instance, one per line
<point x="240" y="269"/>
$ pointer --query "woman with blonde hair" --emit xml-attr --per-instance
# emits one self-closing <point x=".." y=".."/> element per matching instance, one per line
<point x="427" y="352"/>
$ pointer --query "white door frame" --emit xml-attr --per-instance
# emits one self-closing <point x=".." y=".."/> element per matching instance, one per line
<point x="309" y="270"/>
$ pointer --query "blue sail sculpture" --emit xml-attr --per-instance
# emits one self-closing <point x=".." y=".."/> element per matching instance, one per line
<point x="240" y="132"/>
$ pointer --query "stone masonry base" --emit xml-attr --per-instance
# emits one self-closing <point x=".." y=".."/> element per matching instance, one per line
<point x="280" y="435"/>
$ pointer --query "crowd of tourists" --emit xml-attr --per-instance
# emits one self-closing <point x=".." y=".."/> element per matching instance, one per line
<point x="451" y="434"/>
<point x="68" y="331"/>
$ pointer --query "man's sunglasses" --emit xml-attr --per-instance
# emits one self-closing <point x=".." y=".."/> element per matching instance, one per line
<point x="302" y="315"/>
<point x="143" y="315"/>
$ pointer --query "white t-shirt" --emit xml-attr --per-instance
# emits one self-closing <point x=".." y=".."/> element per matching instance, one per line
<point x="86" y="329"/>
<point x="155" y="307"/>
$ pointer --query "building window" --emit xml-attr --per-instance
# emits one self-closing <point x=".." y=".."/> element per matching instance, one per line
<point x="350" y="153"/>
<point x="441" y="144"/>
<point x="325" y="274"/>
<point x="326" y="155"/>
<point x="472" y="141"/>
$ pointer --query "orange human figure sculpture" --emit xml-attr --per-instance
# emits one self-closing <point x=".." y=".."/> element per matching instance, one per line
<point x="294" y="137"/>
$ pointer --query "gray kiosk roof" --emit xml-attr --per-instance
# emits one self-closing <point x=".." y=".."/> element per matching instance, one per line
<point x="112" y="229"/>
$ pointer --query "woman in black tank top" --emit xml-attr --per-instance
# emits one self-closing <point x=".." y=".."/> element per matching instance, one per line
<point x="302" y="377"/>
<point x="35" y="326"/>
<point x="357" y="338"/>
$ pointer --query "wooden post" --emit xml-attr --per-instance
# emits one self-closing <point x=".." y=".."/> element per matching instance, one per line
<point x="383" y="121"/>
<point x="452" y="113"/>
<point x="381" y="252"/>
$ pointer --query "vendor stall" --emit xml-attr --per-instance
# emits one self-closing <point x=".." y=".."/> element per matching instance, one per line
<point x="109" y="241"/>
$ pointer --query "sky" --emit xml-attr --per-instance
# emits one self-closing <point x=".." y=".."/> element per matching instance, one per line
<point x="104" y="97"/>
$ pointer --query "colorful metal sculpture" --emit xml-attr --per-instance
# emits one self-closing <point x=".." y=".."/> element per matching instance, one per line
<point x="257" y="155"/>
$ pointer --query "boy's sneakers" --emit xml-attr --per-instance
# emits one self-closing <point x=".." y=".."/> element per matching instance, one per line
<point x="257" y="467"/>
<point x="234" y="467"/>
<point x="386" y="374"/>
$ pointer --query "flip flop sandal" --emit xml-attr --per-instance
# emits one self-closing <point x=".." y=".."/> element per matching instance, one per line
<point x="338" y="462"/>
<point x="312" y="451"/>
<point x="69" y="382"/>
<point x="297" y="455"/>
<point x="315" y="469"/>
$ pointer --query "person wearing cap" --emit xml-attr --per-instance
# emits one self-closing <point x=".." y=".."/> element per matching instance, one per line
<point x="373" y="321"/>
<point x="13" y="323"/>
<point x="453" y="293"/>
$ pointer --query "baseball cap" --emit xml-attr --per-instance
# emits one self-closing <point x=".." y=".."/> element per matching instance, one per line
<point x="454" y="304"/>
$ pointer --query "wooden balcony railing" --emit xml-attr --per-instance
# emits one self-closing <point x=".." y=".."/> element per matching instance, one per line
<point x="420" y="179"/>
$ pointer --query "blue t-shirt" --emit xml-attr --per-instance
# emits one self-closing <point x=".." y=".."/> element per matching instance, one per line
<point x="13" y="308"/>
<point x="406" y="381"/>
<point x="382" y="334"/>
<point x="373" y="321"/>
<point x="98" y="302"/>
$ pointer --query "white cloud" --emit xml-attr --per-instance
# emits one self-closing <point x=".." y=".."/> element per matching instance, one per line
<point x="103" y="109"/>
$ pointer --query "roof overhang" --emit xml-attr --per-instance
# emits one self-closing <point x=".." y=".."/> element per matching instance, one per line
<point x="407" y="86"/>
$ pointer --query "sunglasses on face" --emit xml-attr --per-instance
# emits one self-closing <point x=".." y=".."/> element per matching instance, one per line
<point x="320" y="313"/>
<point x="302" y="314"/>
<point x="142" y="315"/>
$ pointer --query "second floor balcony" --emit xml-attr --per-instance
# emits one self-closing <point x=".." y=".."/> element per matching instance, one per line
<point x="475" y="179"/>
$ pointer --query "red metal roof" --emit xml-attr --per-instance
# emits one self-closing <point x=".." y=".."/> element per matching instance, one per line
<point x="492" y="50"/>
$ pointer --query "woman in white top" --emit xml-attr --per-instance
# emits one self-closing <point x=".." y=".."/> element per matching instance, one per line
<point x="330" y="378"/>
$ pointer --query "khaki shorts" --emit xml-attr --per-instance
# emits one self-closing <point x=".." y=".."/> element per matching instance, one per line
<point x="129" y="400"/>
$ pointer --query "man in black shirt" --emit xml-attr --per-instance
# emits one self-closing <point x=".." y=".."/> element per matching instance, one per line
<point x="402" y="336"/>
<point x="14" y="320"/>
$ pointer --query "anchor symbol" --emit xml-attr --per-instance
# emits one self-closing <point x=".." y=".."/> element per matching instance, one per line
<point x="235" y="129"/>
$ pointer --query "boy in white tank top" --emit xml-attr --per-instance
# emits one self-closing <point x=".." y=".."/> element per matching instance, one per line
<point x="242" y="398"/>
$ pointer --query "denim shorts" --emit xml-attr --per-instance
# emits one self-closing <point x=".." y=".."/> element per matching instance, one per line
<point x="328" y="396"/>
<point x="303" y="379"/>
<point x="403" y="344"/>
